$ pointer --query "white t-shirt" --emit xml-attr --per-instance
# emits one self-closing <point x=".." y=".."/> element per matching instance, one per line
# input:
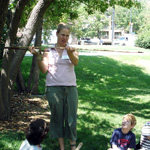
<point x="26" y="146"/>
<point x="145" y="142"/>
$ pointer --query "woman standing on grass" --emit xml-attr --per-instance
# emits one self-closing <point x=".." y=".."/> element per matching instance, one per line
<point x="61" y="89"/>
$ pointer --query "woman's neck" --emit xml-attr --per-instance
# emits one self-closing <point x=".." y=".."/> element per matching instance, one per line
<point x="58" y="45"/>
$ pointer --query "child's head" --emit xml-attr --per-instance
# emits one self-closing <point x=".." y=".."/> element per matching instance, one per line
<point x="146" y="130"/>
<point x="37" y="131"/>
<point x="130" y="119"/>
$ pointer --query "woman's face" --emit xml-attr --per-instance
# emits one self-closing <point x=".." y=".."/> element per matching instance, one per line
<point x="63" y="37"/>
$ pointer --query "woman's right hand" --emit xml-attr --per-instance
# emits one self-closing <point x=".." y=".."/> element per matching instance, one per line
<point x="33" y="50"/>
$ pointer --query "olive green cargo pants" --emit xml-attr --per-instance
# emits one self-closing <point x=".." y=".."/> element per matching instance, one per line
<point x="63" y="101"/>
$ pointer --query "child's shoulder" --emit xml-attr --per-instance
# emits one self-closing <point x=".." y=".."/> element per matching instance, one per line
<point x="131" y="134"/>
<point x="26" y="145"/>
<point x="118" y="130"/>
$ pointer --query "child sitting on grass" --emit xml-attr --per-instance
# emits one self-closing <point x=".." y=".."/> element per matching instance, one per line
<point x="35" y="134"/>
<point x="123" y="138"/>
<point x="145" y="137"/>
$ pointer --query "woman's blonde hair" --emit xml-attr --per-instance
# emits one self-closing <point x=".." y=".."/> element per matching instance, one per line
<point x="131" y="118"/>
<point x="63" y="26"/>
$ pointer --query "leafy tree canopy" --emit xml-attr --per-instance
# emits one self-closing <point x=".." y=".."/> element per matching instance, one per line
<point x="143" y="39"/>
<point x="66" y="11"/>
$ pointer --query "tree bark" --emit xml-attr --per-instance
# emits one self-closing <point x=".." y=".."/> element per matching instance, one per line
<point x="9" y="70"/>
<point x="20" y="82"/>
<point x="30" y="30"/>
<point x="2" y="108"/>
<point x="3" y="13"/>
<point x="33" y="80"/>
<point x="7" y="54"/>
<point x="36" y="68"/>
<point x="35" y="77"/>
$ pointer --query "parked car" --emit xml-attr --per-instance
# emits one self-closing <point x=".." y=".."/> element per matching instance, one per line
<point x="85" y="41"/>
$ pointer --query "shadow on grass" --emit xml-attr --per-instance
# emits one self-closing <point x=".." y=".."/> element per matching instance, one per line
<point x="96" y="141"/>
<point x="91" y="131"/>
<point x="8" y="140"/>
<point x="107" y="86"/>
<point x="115" y="86"/>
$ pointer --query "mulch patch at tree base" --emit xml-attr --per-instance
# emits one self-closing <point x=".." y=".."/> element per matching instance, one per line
<point x="24" y="109"/>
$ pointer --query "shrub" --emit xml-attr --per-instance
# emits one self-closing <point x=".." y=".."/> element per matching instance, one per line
<point x="143" y="40"/>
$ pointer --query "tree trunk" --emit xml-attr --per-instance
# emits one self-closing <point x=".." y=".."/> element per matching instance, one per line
<point x="30" y="29"/>
<point x="31" y="76"/>
<point x="7" y="54"/>
<point x="8" y="72"/>
<point x="2" y="108"/>
<point x="36" y="77"/>
<point x="20" y="82"/>
<point x="36" y="68"/>
<point x="3" y="13"/>
<point x="34" y="72"/>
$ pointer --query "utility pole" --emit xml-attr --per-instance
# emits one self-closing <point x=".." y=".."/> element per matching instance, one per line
<point x="113" y="25"/>
<point x="131" y="24"/>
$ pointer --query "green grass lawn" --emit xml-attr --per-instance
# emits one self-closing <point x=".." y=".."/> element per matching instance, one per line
<point x="109" y="88"/>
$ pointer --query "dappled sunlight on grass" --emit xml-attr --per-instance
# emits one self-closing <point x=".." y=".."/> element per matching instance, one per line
<point x="109" y="89"/>
<point x="11" y="140"/>
<point x="136" y="61"/>
<point x="91" y="131"/>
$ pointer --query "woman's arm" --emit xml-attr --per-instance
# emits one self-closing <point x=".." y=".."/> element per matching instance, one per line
<point x="73" y="55"/>
<point x="43" y="63"/>
<point x="42" y="59"/>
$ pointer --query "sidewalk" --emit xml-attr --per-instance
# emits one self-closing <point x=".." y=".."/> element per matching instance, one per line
<point x="105" y="53"/>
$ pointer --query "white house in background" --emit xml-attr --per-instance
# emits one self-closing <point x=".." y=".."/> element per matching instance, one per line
<point x="106" y="38"/>
<point x="107" y="33"/>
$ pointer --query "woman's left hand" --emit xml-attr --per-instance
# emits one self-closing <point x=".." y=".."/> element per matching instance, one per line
<point x="70" y="49"/>
<point x="73" y="54"/>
